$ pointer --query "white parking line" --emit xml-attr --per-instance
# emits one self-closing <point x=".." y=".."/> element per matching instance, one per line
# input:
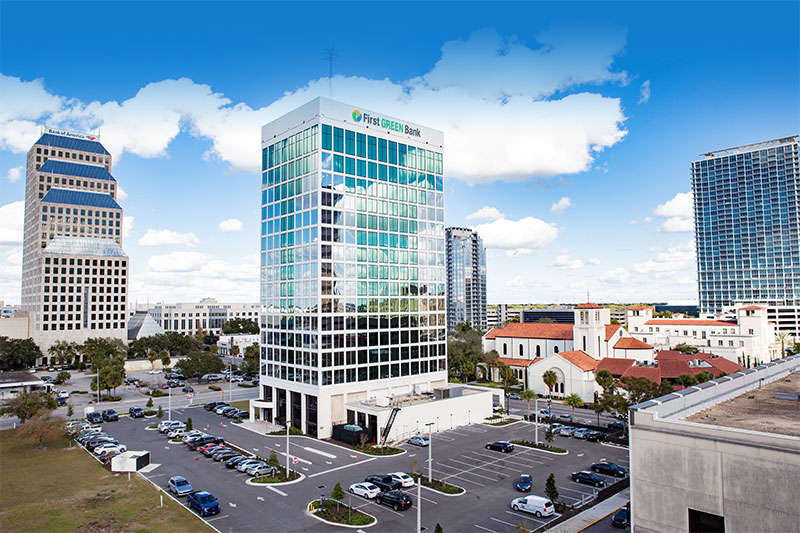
<point x="502" y="521"/>
<point x="319" y="452"/>
<point x="273" y="489"/>
<point x="343" y="466"/>
<point x="216" y="518"/>
<point x="513" y="469"/>
<point x="472" y="473"/>
<point x="486" y="529"/>
<point x="526" y="517"/>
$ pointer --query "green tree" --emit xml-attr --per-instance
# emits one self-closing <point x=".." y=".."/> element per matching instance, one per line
<point x="273" y="459"/>
<point x="70" y="410"/>
<point x="550" y="488"/>
<point x="26" y="405"/>
<point x="687" y="380"/>
<point x="606" y="381"/>
<point x="703" y="376"/>
<point x="614" y="322"/>
<point x="573" y="400"/>
<point x="63" y="377"/>
<point x="214" y="349"/>
<point x="337" y="493"/>
<point x="18" y="354"/>
<point x="438" y="528"/>
<point x="165" y="360"/>
<point x="235" y="350"/>
<point x="152" y="357"/>
<point x="160" y="413"/>
<point x="527" y="395"/>
<point x="149" y="402"/>
<point x="548" y="436"/>
<point x="252" y="350"/>
<point x="42" y="427"/>
<point x="198" y="364"/>
<point x="550" y="379"/>
<point x="64" y="353"/>
<point x="189" y="425"/>
<point x="685" y="348"/>
<point x="506" y="374"/>
<point x="783" y="337"/>
<point x="240" y="325"/>
<point x="598" y="409"/>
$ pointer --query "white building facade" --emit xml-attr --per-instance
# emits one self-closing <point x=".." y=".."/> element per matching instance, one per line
<point x="208" y="315"/>
<point x="352" y="266"/>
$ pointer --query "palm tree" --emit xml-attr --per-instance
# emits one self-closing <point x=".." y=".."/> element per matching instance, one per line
<point x="506" y="374"/>
<point x="573" y="400"/>
<point x="550" y="379"/>
<point x="527" y="395"/>
<point x="783" y="336"/>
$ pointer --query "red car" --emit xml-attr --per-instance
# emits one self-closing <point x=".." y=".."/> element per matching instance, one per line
<point x="204" y="447"/>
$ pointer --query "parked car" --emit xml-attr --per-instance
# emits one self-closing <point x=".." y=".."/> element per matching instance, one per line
<point x="191" y="434"/>
<point x="365" y="490"/>
<point x="565" y="418"/>
<point x="397" y="500"/>
<point x="262" y="470"/>
<point x="610" y="469"/>
<point x="622" y="518"/>
<point x="242" y="415"/>
<point x="179" y="485"/>
<point x="75" y="427"/>
<point x="589" y="478"/>
<point x="404" y="479"/>
<point x="567" y="431"/>
<point x="207" y="446"/>
<point x="500" y="446"/>
<point x="617" y="425"/>
<point x="419" y="440"/>
<point x="213" y="377"/>
<point x="227" y="411"/>
<point x="214" y="449"/>
<point x="107" y="456"/>
<point x="203" y="502"/>
<point x="221" y="408"/>
<point x="203" y="440"/>
<point x="384" y="482"/>
<point x="106" y="448"/>
<point x="224" y="455"/>
<point x="61" y="401"/>
<point x="177" y="432"/>
<point x="236" y="379"/>
<point x="83" y="438"/>
<point x="94" y="418"/>
<point x="581" y="433"/>
<point x="545" y="413"/>
<point x="556" y="427"/>
<point x="536" y="505"/>
<point x="63" y="394"/>
<point x="242" y="466"/>
<point x="187" y="389"/>
<point x="95" y="443"/>
<point x="524" y="483"/>
<point x="136" y="412"/>
<point x="512" y="396"/>
<point x="254" y="467"/>
<point x="210" y="406"/>
<point x="164" y="425"/>
<point x="596" y="436"/>
<point x="155" y="371"/>
<point x="233" y="461"/>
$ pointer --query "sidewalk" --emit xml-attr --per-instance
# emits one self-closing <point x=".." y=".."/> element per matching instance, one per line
<point x="593" y="514"/>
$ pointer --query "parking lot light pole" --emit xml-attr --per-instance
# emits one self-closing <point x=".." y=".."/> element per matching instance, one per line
<point x="430" y="453"/>
<point x="169" y="404"/>
<point x="536" y="420"/>
<point x="287" y="446"/>
<point x="419" y="509"/>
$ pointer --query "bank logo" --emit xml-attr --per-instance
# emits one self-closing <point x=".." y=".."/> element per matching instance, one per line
<point x="357" y="115"/>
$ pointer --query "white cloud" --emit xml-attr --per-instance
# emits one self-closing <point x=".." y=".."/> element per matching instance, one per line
<point x="165" y="237"/>
<point x="594" y="261"/>
<point x="177" y="262"/>
<point x="121" y="194"/>
<point x="561" y="205"/>
<point x="14" y="174"/>
<point x="515" y="283"/>
<point x="517" y="237"/>
<point x="513" y="113"/>
<point x="231" y="224"/>
<point x="12" y="218"/>
<point x="615" y="275"/>
<point x="486" y="213"/>
<point x="679" y="213"/>
<point x="675" y="259"/>
<point x="567" y="262"/>
<point x="127" y="225"/>
<point x="645" y="220"/>
<point x="644" y="92"/>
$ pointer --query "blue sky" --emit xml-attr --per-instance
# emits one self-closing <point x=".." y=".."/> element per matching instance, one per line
<point x="569" y="127"/>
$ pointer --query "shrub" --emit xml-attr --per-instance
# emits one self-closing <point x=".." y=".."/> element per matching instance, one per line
<point x="189" y="426"/>
<point x="550" y="488"/>
<point x="214" y="388"/>
<point x="160" y="413"/>
<point x="70" y="410"/>
<point x="149" y="412"/>
<point x="110" y="398"/>
<point x="540" y="446"/>
<point x="273" y="459"/>
<point x="337" y="493"/>
<point x="150" y="402"/>
<point x="155" y="393"/>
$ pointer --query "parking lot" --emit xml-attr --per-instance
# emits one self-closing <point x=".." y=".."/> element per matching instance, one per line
<point x="459" y="457"/>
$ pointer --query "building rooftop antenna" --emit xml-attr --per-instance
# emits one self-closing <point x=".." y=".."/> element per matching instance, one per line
<point x="330" y="57"/>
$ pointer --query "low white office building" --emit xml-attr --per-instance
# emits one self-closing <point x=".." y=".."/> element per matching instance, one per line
<point x="208" y="315"/>
<point x="226" y="343"/>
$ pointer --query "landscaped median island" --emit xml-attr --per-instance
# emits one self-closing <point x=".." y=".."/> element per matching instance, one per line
<point x="540" y="446"/>
<point x="337" y="513"/>
<point x="497" y="420"/>
<point x="279" y="477"/>
<point x="436" y="484"/>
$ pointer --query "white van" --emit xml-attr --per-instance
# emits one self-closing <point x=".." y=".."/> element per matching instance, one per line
<point x="536" y="505"/>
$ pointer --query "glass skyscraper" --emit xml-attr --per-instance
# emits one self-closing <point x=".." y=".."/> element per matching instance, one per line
<point x="747" y="225"/>
<point x="352" y="264"/>
<point x="466" y="278"/>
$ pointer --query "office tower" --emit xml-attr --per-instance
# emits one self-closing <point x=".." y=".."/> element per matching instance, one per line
<point x="747" y="225"/>
<point x="352" y="265"/>
<point x="74" y="271"/>
<point x="466" y="278"/>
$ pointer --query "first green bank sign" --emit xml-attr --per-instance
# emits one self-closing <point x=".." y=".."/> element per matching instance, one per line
<point x="358" y="116"/>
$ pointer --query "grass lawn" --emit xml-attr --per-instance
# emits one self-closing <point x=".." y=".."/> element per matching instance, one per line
<point x="59" y="489"/>
<point x="244" y="405"/>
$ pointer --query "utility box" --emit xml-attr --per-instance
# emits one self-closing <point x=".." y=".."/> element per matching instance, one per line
<point x="130" y="461"/>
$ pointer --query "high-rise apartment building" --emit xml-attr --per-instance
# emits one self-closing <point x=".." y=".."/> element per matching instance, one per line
<point x="747" y="225"/>
<point x="466" y="278"/>
<point x="352" y="266"/>
<point x="74" y="271"/>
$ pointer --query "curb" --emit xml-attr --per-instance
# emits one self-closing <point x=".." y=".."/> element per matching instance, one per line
<point x="618" y="446"/>
<point x="601" y="518"/>
<point x="314" y="515"/>
<point x="249" y="481"/>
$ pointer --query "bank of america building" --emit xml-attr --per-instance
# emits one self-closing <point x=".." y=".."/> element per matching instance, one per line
<point x="352" y="265"/>
<point x="747" y="225"/>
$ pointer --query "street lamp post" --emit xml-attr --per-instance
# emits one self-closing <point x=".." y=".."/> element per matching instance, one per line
<point x="419" y="509"/>
<point x="430" y="454"/>
<point x="536" y="420"/>
<point x="287" y="445"/>
<point x="169" y="404"/>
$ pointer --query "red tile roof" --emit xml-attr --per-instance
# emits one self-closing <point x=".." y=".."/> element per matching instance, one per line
<point x="665" y="355"/>
<point x="752" y="307"/>
<point x="724" y="365"/>
<point x="580" y="359"/>
<point x="674" y="368"/>
<point x="610" y="330"/>
<point x="616" y="365"/>
<point x="588" y="306"/>
<point x="518" y="362"/>
<point x="629" y="343"/>
<point x="653" y="373"/>
<point x="688" y="322"/>
<point x="533" y="331"/>
<point x="639" y="308"/>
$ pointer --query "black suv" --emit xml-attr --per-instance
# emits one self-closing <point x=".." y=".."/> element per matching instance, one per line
<point x="397" y="500"/>
<point x="110" y="415"/>
<point x="590" y="478"/>
<point x="94" y="418"/>
<point x="500" y="446"/>
<point x="210" y="406"/>
<point x="202" y="441"/>
<point x="136" y="412"/>
<point x="596" y="436"/>
<point x="384" y="482"/>
<point x="610" y="469"/>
